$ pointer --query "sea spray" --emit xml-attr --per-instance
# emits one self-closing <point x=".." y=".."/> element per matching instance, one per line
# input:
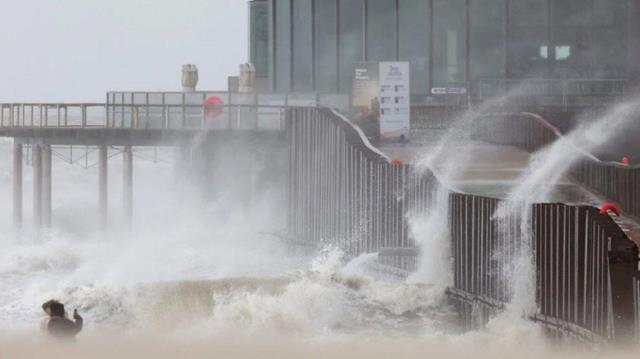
<point x="539" y="183"/>
<point x="447" y="160"/>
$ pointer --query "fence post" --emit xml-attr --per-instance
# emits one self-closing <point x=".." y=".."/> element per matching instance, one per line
<point x="83" y="110"/>
<point x="623" y="261"/>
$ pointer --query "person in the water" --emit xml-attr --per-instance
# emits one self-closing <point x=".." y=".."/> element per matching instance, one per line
<point x="56" y="324"/>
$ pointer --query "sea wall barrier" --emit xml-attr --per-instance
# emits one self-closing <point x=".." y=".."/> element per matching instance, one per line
<point x="615" y="181"/>
<point x="344" y="191"/>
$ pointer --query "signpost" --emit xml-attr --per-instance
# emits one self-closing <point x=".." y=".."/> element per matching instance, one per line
<point x="381" y="100"/>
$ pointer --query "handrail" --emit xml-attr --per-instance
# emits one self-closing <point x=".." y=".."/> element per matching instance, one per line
<point x="614" y="181"/>
<point x="342" y="190"/>
<point x="141" y="116"/>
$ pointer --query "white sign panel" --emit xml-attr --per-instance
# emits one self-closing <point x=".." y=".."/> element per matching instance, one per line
<point x="394" y="95"/>
<point x="448" y="90"/>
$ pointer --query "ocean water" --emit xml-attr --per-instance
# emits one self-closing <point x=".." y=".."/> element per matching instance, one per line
<point x="206" y="276"/>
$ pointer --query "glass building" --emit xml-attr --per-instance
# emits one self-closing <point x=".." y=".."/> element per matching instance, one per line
<point x="478" y="45"/>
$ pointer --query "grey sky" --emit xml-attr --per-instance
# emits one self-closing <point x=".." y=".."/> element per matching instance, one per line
<point x="76" y="50"/>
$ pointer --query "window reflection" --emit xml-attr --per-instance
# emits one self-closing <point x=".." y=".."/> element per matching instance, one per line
<point x="351" y="39"/>
<point x="302" y="41"/>
<point x="381" y="30"/>
<point x="282" y="45"/>
<point x="414" y="41"/>
<point x="326" y="76"/>
<point x="449" y="42"/>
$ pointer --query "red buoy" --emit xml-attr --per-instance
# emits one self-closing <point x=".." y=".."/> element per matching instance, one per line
<point x="213" y="106"/>
<point x="395" y="162"/>
<point x="609" y="207"/>
<point x="625" y="160"/>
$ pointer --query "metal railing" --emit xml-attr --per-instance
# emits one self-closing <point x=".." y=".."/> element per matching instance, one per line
<point x="614" y="181"/>
<point x="585" y="267"/>
<point x="35" y="115"/>
<point x="246" y="117"/>
<point x="343" y="191"/>
<point x="557" y="93"/>
<point x="167" y="110"/>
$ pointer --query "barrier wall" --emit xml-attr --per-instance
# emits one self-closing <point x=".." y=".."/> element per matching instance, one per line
<point x="614" y="181"/>
<point x="343" y="191"/>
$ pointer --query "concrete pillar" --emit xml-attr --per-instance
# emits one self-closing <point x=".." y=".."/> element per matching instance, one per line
<point x="17" y="184"/>
<point x="36" y="154"/>
<point x="102" y="184"/>
<point x="127" y="178"/>
<point x="46" y="186"/>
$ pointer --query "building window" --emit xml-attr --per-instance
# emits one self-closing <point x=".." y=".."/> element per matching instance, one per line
<point x="351" y="41"/>
<point x="528" y="39"/>
<point x="282" y="56"/>
<point x="302" y="45"/>
<point x="571" y="34"/>
<point x="381" y="29"/>
<point x="259" y="38"/>
<point x="413" y="41"/>
<point x="449" y="42"/>
<point x="326" y="64"/>
<point x="610" y="38"/>
<point x="487" y="44"/>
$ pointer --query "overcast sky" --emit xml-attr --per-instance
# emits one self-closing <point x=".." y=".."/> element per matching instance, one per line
<point x="76" y="50"/>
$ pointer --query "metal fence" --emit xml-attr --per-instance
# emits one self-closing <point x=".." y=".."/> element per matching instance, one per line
<point x="585" y="270"/>
<point x="143" y="116"/>
<point x="584" y="264"/>
<point x="614" y="181"/>
<point x="555" y="93"/>
<point x="35" y="115"/>
<point x="167" y="110"/>
<point x="344" y="191"/>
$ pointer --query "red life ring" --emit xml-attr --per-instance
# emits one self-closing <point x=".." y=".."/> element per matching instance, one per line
<point x="213" y="106"/>
<point x="606" y="207"/>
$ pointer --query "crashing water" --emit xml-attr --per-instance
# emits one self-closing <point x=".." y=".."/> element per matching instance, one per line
<point x="190" y="268"/>
<point x="207" y="277"/>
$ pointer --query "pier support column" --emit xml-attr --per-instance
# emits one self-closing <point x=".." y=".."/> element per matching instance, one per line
<point x="103" y="155"/>
<point x="46" y="186"/>
<point x="182" y="164"/>
<point x="17" y="184"/>
<point x="127" y="178"/>
<point x="36" y="154"/>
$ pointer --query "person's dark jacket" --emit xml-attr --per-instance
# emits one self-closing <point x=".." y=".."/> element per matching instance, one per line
<point x="63" y="328"/>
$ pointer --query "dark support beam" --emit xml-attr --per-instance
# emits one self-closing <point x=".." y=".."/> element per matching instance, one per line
<point x="17" y="185"/>
<point x="127" y="179"/>
<point x="36" y="153"/>
<point x="103" y="159"/>
<point x="46" y="186"/>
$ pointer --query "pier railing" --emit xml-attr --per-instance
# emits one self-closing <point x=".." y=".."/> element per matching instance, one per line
<point x="167" y="110"/>
<point x="539" y="93"/>
<point x="584" y="266"/>
<point x="135" y="117"/>
<point x="615" y="181"/>
<point x="343" y="191"/>
<point x="58" y="115"/>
